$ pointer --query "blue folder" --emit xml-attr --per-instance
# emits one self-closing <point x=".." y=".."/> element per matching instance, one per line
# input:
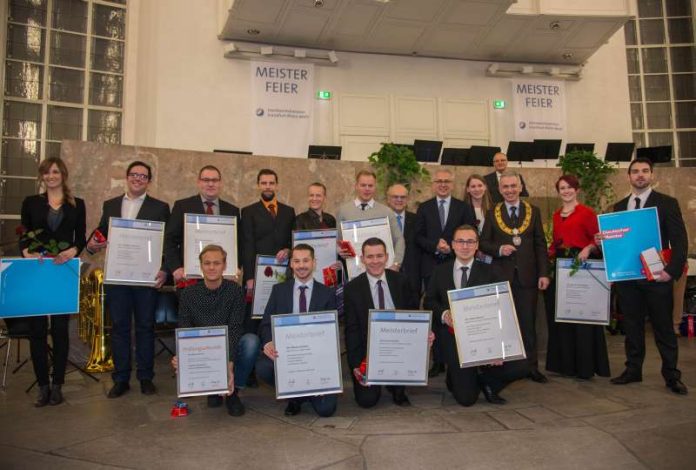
<point x="30" y="287"/>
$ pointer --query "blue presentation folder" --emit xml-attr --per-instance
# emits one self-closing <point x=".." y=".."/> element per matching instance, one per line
<point x="31" y="287"/>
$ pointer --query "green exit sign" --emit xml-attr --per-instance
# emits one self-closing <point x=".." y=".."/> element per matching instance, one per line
<point x="323" y="95"/>
<point x="499" y="104"/>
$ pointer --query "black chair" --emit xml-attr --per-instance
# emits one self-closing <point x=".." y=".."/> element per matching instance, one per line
<point x="15" y="329"/>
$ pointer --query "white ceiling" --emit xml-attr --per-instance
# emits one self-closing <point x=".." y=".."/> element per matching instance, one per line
<point x="459" y="29"/>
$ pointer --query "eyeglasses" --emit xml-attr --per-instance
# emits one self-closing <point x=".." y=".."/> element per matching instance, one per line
<point x="469" y="242"/>
<point x="209" y="180"/>
<point x="442" y="181"/>
<point x="138" y="176"/>
<point x="398" y="197"/>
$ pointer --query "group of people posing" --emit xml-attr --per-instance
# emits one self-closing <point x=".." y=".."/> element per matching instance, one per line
<point x="490" y="235"/>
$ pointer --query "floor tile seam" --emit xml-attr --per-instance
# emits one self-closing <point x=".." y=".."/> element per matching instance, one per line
<point x="52" y="453"/>
<point x="338" y="462"/>
<point x="620" y="442"/>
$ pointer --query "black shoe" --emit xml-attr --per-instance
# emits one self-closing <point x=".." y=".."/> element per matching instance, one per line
<point x="214" y="401"/>
<point x="56" y="395"/>
<point x="676" y="386"/>
<point x="252" y="381"/>
<point x="491" y="396"/>
<point x="626" y="377"/>
<point x="235" y="407"/>
<point x="400" y="398"/>
<point x="147" y="387"/>
<point x="294" y="407"/>
<point x="436" y="369"/>
<point x="44" y="396"/>
<point x="118" y="389"/>
<point x="537" y="376"/>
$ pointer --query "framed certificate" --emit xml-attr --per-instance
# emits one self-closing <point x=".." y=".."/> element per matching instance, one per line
<point x="357" y="231"/>
<point x="203" y="355"/>
<point x="29" y="286"/>
<point x="625" y="235"/>
<point x="309" y="355"/>
<point x="269" y="272"/>
<point x="134" y="252"/>
<point x="583" y="296"/>
<point x="485" y="324"/>
<point x="324" y="244"/>
<point x="201" y="230"/>
<point x="397" y="347"/>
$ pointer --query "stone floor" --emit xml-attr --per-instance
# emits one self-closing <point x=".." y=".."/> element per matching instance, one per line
<point x="564" y="424"/>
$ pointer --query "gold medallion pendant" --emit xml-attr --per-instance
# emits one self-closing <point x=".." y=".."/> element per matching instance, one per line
<point x="514" y="232"/>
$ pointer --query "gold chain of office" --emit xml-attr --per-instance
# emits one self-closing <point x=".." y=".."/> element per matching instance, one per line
<point x="509" y="230"/>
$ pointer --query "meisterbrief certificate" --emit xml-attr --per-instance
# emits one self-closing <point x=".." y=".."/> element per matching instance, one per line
<point x="201" y="230"/>
<point x="134" y="252"/>
<point x="357" y="231"/>
<point x="485" y="324"/>
<point x="309" y="355"/>
<point x="269" y="272"/>
<point x="203" y="361"/>
<point x="397" y="347"/>
<point x="324" y="244"/>
<point x="582" y="295"/>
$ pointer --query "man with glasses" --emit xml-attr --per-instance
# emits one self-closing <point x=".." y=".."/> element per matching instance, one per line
<point x="138" y="302"/>
<point x="397" y="200"/>
<point x="436" y="220"/>
<point x="465" y="270"/>
<point x="208" y="202"/>
<point x="500" y="163"/>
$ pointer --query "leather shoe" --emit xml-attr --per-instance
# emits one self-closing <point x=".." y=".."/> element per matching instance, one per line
<point x="118" y="389"/>
<point x="400" y="398"/>
<point x="491" y="396"/>
<point x="676" y="386"/>
<point x="56" y="395"/>
<point x="626" y="377"/>
<point x="294" y="407"/>
<point x="538" y="377"/>
<point x="147" y="387"/>
<point x="235" y="407"/>
<point x="436" y="369"/>
<point x="44" y="396"/>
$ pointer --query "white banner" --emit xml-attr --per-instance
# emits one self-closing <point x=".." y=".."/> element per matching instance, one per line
<point x="282" y="98"/>
<point x="539" y="109"/>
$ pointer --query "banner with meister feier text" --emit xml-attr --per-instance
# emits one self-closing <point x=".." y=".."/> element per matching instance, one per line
<point x="539" y="109"/>
<point x="282" y="98"/>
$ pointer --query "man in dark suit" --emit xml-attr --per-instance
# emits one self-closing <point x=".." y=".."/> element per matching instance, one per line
<point x="500" y="163"/>
<point x="298" y="295"/>
<point x="466" y="271"/>
<point x="207" y="201"/>
<point x="397" y="200"/>
<point x="436" y="220"/>
<point x="514" y="236"/>
<point x="653" y="299"/>
<point x="137" y="302"/>
<point x="381" y="288"/>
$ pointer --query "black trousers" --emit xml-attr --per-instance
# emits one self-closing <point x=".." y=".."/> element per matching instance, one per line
<point x="38" y="337"/>
<point x="525" y="299"/>
<point x="367" y="397"/>
<point x="641" y="299"/>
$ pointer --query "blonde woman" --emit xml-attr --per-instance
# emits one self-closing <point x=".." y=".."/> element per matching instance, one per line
<point x="477" y="196"/>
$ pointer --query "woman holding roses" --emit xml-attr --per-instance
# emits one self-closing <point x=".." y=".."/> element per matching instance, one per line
<point x="54" y="223"/>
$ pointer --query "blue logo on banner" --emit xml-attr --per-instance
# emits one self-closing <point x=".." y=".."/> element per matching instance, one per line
<point x="259" y="112"/>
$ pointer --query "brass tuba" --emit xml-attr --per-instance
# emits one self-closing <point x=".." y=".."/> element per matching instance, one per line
<point x="94" y="326"/>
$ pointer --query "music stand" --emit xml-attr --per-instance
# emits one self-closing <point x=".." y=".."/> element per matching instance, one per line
<point x="241" y="152"/>
<point x="427" y="151"/>
<point x="480" y="155"/>
<point x="324" y="152"/>
<point x="520" y="151"/>
<point x="662" y="154"/>
<point x="579" y="148"/>
<point x="547" y="149"/>
<point x="619" y="152"/>
<point x="454" y="156"/>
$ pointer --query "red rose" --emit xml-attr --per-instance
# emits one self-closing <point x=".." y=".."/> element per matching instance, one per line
<point x="20" y="230"/>
<point x="268" y="272"/>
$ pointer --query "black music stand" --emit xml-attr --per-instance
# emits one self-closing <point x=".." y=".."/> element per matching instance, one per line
<point x="619" y="152"/>
<point x="324" y="152"/>
<point x="480" y="155"/>
<point x="547" y="149"/>
<point x="579" y="148"/>
<point x="454" y="156"/>
<point x="427" y="151"/>
<point x="661" y="154"/>
<point x="520" y="151"/>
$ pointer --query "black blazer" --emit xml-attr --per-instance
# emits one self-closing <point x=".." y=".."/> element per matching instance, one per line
<point x="280" y="302"/>
<point x="410" y="266"/>
<point x="264" y="235"/>
<point x="530" y="260"/>
<point x="672" y="228"/>
<point x="429" y="231"/>
<point x="174" y="233"/>
<point x="71" y="229"/>
<point x="494" y="191"/>
<point x="309" y="220"/>
<point x="357" y="301"/>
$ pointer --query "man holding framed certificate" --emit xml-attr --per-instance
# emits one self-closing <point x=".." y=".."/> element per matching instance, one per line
<point x="465" y="270"/>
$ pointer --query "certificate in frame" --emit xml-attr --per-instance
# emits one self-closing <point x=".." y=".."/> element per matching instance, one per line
<point x="357" y="231"/>
<point x="134" y="252"/>
<point x="269" y="272"/>
<point x="583" y="296"/>
<point x="203" y="356"/>
<point x="201" y="230"/>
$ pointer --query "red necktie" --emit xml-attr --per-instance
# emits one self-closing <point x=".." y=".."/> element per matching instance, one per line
<point x="209" y="208"/>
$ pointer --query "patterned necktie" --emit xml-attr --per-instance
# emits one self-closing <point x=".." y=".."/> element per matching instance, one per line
<point x="513" y="216"/>
<point x="303" y="299"/>
<point x="465" y="279"/>
<point x="441" y="211"/>
<point x="272" y="210"/>
<point x="209" y="208"/>
<point x="637" y="201"/>
<point x="400" y="223"/>
<point x="380" y="294"/>
<point x="363" y="206"/>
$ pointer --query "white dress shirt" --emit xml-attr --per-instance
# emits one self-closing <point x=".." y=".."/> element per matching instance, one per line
<point x="296" y="294"/>
<point x="388" y="302"/>
<point x="643" y="199"/>
<point x="215" y="206"/>
<point x="370" y="204"/>
<point x="131" y="207"/>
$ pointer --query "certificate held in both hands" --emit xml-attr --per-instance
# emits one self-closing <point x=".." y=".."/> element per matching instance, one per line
<point x="134" y="252"/>
<point x="485" y="324"/>
<point x="203" y="358"/>
<point x="582" y="294"/>
<point x="202" y="230"/>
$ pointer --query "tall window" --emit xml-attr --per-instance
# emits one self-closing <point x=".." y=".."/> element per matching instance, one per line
<point x="63" y="79"/>
<point x="662" y="77"/>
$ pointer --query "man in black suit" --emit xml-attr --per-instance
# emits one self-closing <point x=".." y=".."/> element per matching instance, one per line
<point x="298" y="295"/>
<point x="137" y="302"/>
<point x="515" y="238"/>
<point x="380" y="288"/>
<point x="466" y="271"/>
<point x="436" y="220"/>
<point x="397" y="200"/>
<point x="207" y="201"/>
<point x="500" y="163"/>
<point x="653" y="299"/>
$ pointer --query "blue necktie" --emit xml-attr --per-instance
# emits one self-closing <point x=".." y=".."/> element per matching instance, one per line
<point x="400" y="223"/>
<point x="443" y="217"/>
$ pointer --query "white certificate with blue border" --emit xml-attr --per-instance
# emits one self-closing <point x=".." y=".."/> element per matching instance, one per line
<point x="203" y="355"/>
<point x="582" y="296"/>
<point x="134" y="252"/>
<point x="357" y="231"/>
<point x="309" y="355"/>
<point x="324" y="244"/>
<point x="269" y="272"/>
<point x="201" y="230"/>
<point x="397" y="347"/>
<point x="485" y="324"/>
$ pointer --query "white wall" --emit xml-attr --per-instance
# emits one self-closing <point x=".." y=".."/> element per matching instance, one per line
<point x="182" y="93"/>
